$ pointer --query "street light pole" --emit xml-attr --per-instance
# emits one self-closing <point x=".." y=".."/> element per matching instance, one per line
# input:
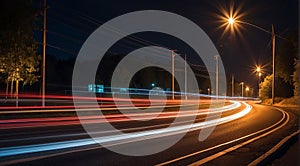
<point x="185" y="78"/>
<point x="273" y="55"/>
<point x="259" y="77"/>
<point x="173" y="79"/>
<point x="217" y="74"/>
<point x="232" y="85"/>
<point x="242" y="83"/>
<point x="258" y="71"/>
<point x="247" y="91"/>
<point x="232" y="21"/>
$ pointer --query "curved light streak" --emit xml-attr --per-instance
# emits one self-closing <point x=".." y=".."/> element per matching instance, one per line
<point x="33" y="122"/>
<point x="119" y="139"/>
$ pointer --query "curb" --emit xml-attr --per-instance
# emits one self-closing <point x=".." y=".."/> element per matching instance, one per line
<point x="275" y="151"/>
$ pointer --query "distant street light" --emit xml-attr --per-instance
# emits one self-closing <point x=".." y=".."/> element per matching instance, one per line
<point x="232" y="85"/>
<point x="247" y="91"/>
<point x="173" y="74"/>
<point x="247" y="88"/>
<point x="185" y="77"/>
<point x="258" y="71"/>
<point x="153" y="84"/>
<point x="242" y="83"/>
<point x="217" y="75"/>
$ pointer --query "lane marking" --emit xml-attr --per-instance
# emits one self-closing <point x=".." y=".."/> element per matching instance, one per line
<point x="223" y="144"/>
<point x="274" y="149"/>
<point x="212" y="157"/>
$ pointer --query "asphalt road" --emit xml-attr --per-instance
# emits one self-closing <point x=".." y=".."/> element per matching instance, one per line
<point x="188" y="150"/>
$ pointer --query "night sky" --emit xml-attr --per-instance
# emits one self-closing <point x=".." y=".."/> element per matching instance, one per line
<point x="70" y="22"/>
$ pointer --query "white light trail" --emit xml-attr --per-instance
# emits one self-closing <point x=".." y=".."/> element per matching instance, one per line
<point x="123" y="138"/>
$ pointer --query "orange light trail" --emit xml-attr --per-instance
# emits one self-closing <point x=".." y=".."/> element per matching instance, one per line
<point x="42" y="122"/>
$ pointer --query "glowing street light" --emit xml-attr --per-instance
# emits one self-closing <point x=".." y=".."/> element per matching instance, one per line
<point x="247" y="89"/>
<point x="230" y="20"/>
<point x="242" y="84"/>
<point x="258" y="69"/>
<point x="153" y="84"/>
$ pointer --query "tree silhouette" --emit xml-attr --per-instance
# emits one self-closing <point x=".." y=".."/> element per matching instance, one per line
<point x="18" y="58"/>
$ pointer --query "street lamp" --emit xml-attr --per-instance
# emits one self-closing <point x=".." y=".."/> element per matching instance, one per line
<point x="153" y="85"/>
<point x="247" y="88"/>
<point x="173" y="74"/>
<point x="258" y="70"/>
<point x="247" y="91"/>
<point x="259" y="78"/>
<point x="242" y="83"/>
<point x="232" y="20"/>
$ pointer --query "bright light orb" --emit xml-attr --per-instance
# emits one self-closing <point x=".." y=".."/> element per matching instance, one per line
<point x="259" y="74"/>
<point x="247" y="88"/>
<point x="230" y="20"/>
<point x="258" y="69"/>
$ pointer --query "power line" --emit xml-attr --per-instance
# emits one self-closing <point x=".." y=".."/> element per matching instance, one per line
<point x="59" y="48"/>
<point x="122" y="45"/>
<point x="131" y="39"/>
<point x="98" y="23"/>
<point x="115" y="30"/>
<point x="66" y="37"/>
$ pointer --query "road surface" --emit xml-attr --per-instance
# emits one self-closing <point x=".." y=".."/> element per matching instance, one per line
<point x="237" y="142"/>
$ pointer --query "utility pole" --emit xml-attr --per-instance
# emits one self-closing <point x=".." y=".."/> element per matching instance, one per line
<point x="173" y="80"/>
<point x="44" y="56"/>
<point x="217" y="74"/>
<point x="242" y="89"/>
<point x="258" y="87"/>
<point x="273" y="55"/>
<point x="232" y="85"/>
<point x="185" y="78"/>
